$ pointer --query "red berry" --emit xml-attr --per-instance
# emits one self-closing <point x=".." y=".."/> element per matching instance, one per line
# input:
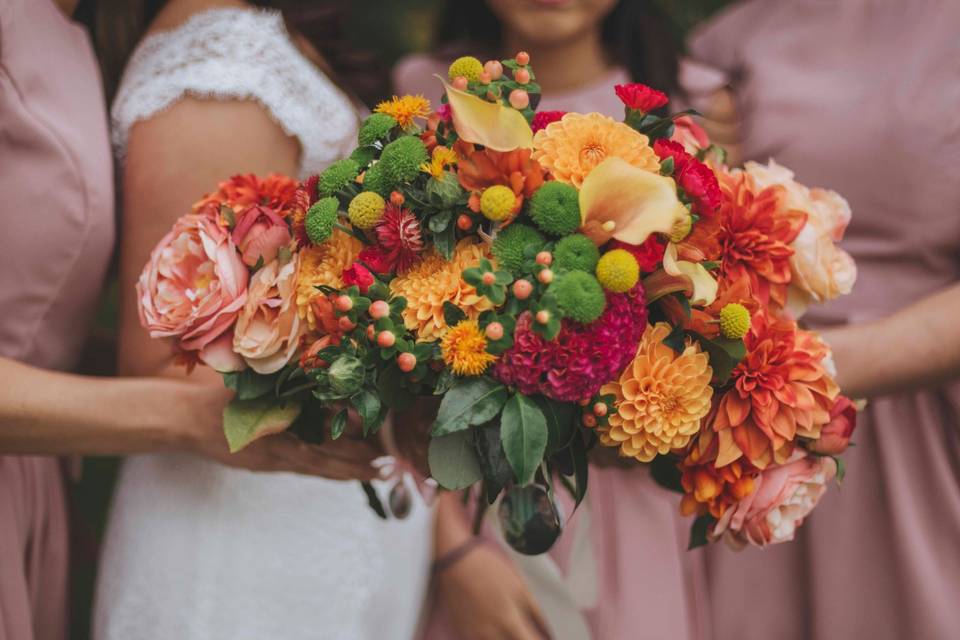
<point x="494" y="68"/>
<point x="386" y="339"/>
<point x="522" y="76"/>
<point x="485" y="78"/>
<point x="589" y="420"/>
<point x="464" y="222"/>
<point x="523" y="58"/>
<point x="344" y="303"/>
<point x="519" y="99"/>
<point x="488" y="278"/>
<point x="406" y="361"/>
<point x="543" y="316"/>
<point x="583" y="402"/>
<point x="371" y="332"/>
<point x="545" y="276"/>
<point x="494" y="331"/>
<point x="460" y="83"/>
<point x="600" y="409"/>
<point x="522" y="289"/>
<point x="396" y="198"/>
<point x="379" y="309"/>
<point x="346" y="324"/>
<point x="545" y="258"/>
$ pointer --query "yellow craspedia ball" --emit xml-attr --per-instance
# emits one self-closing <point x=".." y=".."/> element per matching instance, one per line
<point x="467" y="66"/>
<point x="497" y="202"/>
<point x="734" y="321"/>
<point x="618" y="271"/>
<point x="366" y="209"/>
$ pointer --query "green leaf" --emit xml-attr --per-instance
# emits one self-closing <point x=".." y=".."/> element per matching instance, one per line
<point x="523" y="432"/>
<point x="666" y="166"/>
<point x="676" y="339"/>
<point x="581" y="469"/>
<point x="453" y="461"/>
<point x="367" y="405"/>
<point x="471" y="402"/>
<point x="392" y="392"/>
<point x="724" y="354"/>
<point x="698" y="531"/>
<point x="246" y="420"/>
<point x="560" y="422"/>
<point x="445" y="241"/>
<point x="497" y="473"/>
<point x="440" y="222"/>
<point x="665" y="473"/>
<point x="841" y="469"/>
<point x="452" y="314"/>
<point x="338" y="424"/>
<point x="248" y="384"/>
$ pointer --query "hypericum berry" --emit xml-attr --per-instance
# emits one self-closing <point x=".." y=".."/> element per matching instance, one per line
<point x="494" y="331"/>
<point x="386" y="339"/>
<point x="522" y="289"/>
<point x="464" y="222"/>
<point x="543" y="316"/>
<point x="545" y="258"/>
<point x="485" y="78"/>
<point x="494" y="68"/>
<point x="600" y="409"/>
<point x="406" y="361"/>
<point x="545" y="276"/>
<point x="519" y="99"/>
<point x="460" y="83"/>
<point x="589" y="420"/>
<point x="371" y="333"/>
<point x="522" y="76"/>
<point x="523" y="58"/>
<point x="583" y="402"/>
<point x="397" y="199"/>
<point x="344" y="303"/>
<point x="488" y="278"/>
<point x="346" y="324"/>
<point x="379" y="309"/>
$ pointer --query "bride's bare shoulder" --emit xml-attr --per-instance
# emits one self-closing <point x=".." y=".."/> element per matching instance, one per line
<point x="176" y="12"/>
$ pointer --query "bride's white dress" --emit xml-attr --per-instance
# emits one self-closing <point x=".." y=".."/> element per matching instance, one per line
<point x="199" y="551"/>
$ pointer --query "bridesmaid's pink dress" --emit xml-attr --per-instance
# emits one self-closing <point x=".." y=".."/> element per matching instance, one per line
<point x="647" y="584"/>
<point x="56" y="204"/>
<point x="861" y="96"/>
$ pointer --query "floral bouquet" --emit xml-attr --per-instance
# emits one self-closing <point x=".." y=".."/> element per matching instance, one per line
<point x="559" y="280"/>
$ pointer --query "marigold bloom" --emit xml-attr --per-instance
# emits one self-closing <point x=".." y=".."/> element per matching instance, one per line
<point x="571" y="147"/>
<point x="323" y="264"/>
<point x="780" y="392"/>
<point x="435" y="280"/>
<point x="404" y="109"/>
<point x="661" y="397"/>
<point x="464" y="349"/>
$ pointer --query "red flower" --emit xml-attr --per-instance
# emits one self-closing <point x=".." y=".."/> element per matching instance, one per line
<point x="359" y="275"/>
<point x="376" y="258"/>
<point x="400" y="238"/>
<point x="695" y="178"/>
<point x="542" y="118"/>
<point x="835" y="437"/>
<point x="648" y="255"/>
<point x="640" y="97"/>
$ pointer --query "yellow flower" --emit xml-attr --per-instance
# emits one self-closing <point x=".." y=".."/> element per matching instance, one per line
<point x="323" y="265"/>
<point x="497" y="202"/>
<point x="618" y="271"/>
<point x="442" y="158"/>
<point x="571" y="147"/>
<point x="661" y="397"/>
<point x="435" y="280"/>
<point x="405" y="108"/>
<point x="734" y="321"/>
<point x="464" y="349"/>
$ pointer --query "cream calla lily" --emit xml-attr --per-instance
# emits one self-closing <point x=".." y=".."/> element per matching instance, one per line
<point x="491" y="124"/>
<point x="703" y="285"/>
<point x="619" y="200"/>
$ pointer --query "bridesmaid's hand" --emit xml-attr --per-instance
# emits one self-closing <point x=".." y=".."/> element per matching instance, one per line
<point x="347" y="458"/>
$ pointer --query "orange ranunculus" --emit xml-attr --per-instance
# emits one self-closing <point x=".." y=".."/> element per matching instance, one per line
<point x="709" y="488"/>
<point x="478" y="169"/>
<point x="705" y="321"/>
<point x="780" y="392"/>
<point x="755" y="228"/>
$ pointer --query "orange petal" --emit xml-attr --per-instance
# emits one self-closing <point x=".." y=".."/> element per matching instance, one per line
<point x="702" y="284"/>
<point x="491" y="124"/>
<point x="619" y="200"/>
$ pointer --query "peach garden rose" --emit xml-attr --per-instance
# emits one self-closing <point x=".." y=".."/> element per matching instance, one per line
<point x="194" y="285"/>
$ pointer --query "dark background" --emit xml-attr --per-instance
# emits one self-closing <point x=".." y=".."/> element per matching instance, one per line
<point x="386" y="30"/>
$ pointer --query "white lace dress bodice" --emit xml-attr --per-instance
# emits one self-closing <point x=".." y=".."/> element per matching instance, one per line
<point x="199" y="551"/>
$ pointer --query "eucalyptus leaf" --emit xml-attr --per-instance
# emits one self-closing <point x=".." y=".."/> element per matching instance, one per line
<point x="338" y="424"/>
<point x="523" y="432"/>
<point x="367" y="405"/>
<point x="246" y="420"/>
<point x="471" y="402"/>
<point x="453" y="461"/>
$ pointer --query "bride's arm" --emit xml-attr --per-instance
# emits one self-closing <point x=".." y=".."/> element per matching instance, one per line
<point x="173" y="158"/>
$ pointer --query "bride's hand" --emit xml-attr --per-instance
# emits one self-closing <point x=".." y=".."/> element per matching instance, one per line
<point x="347" y="458"/>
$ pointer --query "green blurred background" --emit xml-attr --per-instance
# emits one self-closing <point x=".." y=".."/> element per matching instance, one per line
<point x="387" y="30"/>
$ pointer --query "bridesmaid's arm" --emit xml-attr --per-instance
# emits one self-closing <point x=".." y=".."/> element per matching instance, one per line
<point x="918" y="346"/>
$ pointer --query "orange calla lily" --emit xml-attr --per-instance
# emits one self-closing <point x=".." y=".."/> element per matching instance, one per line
<point x="491" y="124"/>
<point x="703" y="286"/>
<point x="619" y="200"/>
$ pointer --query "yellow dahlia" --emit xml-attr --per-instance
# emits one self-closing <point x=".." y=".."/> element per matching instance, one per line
<point x="660" y="397"/>
<point x="405" y="108"/>
<point x="464" y="349"/>
<point x="323" y="265"/>
<point x="571" y="147"/>
<point x="435" y="280"/>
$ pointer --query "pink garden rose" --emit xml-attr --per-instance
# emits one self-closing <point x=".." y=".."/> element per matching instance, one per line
<point x="269" y="328"/>
<point x="259" y="232"/>
<point x="782" y="497"/>
<point x="194" y="285"/>
<point x="835" y="436"/>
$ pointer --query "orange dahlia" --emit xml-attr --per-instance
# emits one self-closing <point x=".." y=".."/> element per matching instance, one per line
<point x="661" y="397"/>
<point x="478" y="169"/>
<point x="435" y="280"/>
<point x="711" y="489"/>
<point x="571" y="147"/>
<point x="780" y="391"/>
<point x="241" y="191"/>
<point x="754" y="230"/>
<point x="323" y="265"/>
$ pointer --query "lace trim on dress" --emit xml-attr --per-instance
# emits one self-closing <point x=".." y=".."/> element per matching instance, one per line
<point x="237" y="54"/>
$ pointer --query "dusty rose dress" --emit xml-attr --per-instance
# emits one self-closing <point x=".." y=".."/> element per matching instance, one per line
<point x="56" y="204"/>
<point x="860" y="96"/>
<point x="620" y="570"/>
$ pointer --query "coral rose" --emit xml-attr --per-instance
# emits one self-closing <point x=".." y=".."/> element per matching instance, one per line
<point x="269" y="328"/>
<point x="821" y="270"/>
<point x="689" y="134"/>
<point x="194" y="284"/>
<point x="259" y="233"/>
<point x="835" y="437"/>
<point x="782" y="497"/>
